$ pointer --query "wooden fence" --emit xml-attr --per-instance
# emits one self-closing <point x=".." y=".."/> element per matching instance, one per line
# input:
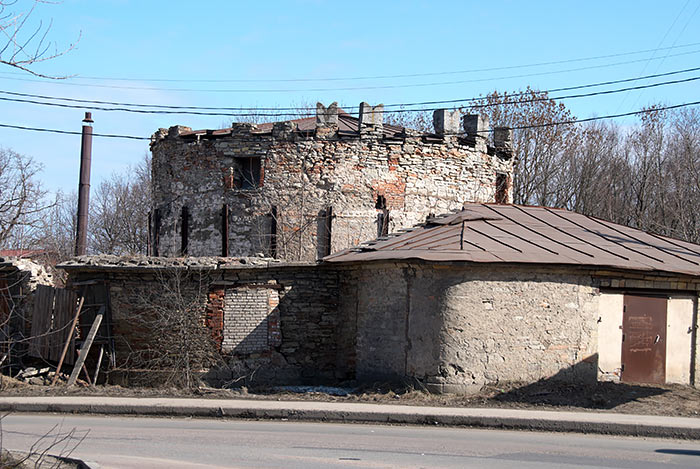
<point x="54" y="310"/>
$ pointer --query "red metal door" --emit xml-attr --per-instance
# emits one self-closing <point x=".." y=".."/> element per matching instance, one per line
<point x="644" y="340"/>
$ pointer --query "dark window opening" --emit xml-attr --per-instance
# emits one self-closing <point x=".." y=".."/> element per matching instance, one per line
<point x="383" y="223"/>
<point x="381" y="202"/>
<point x="248" y="174"/>
<point x="325" y="227"/>
<point x="273" y="232"/>
<point x="185" y="224"/>
<point x="224" y="231"/>
<point x="501" y="188"/>
<point x="149" y="242"/>
<point x="156" y="232"/>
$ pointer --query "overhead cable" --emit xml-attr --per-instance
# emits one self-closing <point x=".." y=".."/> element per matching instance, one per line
<point x="350" y="88"/>
<point x="376" y="77"/>
<point x="523" y="127"/>
<point x="391" y="111"/>
<point x="301" y="108"/>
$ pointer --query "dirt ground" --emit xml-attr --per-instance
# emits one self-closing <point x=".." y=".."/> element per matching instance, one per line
<point x="670" y="400"/>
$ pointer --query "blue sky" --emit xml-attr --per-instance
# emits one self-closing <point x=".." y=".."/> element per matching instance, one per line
<point x="140" y="41"/>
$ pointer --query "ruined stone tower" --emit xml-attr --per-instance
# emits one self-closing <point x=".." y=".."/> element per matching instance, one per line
<point x="301" y="189"/>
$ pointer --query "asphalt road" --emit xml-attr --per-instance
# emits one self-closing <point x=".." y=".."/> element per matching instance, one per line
<point x="118" y="442"/>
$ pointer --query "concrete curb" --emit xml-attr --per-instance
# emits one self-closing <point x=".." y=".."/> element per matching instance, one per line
<point x="512" y="419"/>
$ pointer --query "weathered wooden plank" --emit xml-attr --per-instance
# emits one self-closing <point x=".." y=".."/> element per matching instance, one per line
<point x="70" y="339"/>
<point x="85" y="349"/>
<point x="64" y="308"/>
<point x="41" y="327"/>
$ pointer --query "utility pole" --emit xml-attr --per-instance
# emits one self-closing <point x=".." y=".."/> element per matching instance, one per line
<point x="84" y="186"/>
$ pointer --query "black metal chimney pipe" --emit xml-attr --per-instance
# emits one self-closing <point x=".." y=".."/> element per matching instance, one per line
<point x="84" y="186"/>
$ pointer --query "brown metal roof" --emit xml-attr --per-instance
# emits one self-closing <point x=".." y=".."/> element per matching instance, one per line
<point x="346" y="124"/>
<point x="530" y="235"/>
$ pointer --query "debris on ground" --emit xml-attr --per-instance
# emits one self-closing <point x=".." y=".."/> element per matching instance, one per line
<point x="328" y="390"/>
<point x="669" y="400"/>
<point x="36" y="377"/>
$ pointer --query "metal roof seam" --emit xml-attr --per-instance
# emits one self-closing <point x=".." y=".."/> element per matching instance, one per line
<point x="521" y="238"/>
<point x="495" y="239"/>
<point x="607" y="238"/>
<point x="659" y="248"/>
<point x="667" y="240"/>
<point x="547" y="237"/>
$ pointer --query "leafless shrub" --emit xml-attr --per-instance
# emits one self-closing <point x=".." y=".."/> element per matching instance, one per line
<point x="171" y="337"/>
<point x="50" y="450"/>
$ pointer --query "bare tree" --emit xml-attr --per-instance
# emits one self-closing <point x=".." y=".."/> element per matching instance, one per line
<point x="119" y="212"/>
<point x="539" y="149"/>
<point x="176" y="341"/>
<point x="24" y="41"/>
<point x="22" y="199"/>
<point x="416" y="120"/>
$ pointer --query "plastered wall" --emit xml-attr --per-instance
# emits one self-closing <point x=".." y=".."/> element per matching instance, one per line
<point x="455" y="329"/>
<point x="680" y="313"/>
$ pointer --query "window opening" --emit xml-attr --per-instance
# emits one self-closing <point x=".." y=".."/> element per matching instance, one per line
<point x="224" y="230"/>
<point x="273" y="232"/>
<point x="381" y="202"/>
<point x="248" y="173"/>
<point x="185" y="224"/>
<point x="501" y="188"/>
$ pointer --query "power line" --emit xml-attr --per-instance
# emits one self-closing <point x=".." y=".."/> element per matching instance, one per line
<point x="299" y="109"/>
<point x="690" y="18"/>
<point x="609" y="116"/>
<point x="394" y="111"/>
<point x="70" y="132"/>
<point x="356" y="88"/>
<point x="524" y="127"/>
<point x="379" y="77"/>
<point x="624" y="98"/>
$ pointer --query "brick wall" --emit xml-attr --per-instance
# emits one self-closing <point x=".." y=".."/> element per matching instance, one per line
<point x="247" y="323"/>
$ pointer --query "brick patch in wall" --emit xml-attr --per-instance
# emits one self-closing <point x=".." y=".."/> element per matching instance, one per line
<point x="215" y="315"/>
<point x="248" y="325"/>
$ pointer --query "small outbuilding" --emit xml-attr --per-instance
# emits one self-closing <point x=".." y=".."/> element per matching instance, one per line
<point x="517" y="293"/>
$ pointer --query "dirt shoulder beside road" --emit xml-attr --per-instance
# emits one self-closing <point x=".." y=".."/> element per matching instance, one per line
<point x="668" y="400"/>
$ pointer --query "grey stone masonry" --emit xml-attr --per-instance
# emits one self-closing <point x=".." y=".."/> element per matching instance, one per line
<point x="446" y="122"/>
<point x="302" y="189"/>
<point x="371" y="115"/>
<point x="326" y="115"/>
<point x="476" y="125"/>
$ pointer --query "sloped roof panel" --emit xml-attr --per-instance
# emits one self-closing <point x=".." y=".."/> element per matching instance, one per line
<point x="531" y="235"/>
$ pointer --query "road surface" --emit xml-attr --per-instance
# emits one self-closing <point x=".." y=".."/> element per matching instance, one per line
<point x="122" y="442"/>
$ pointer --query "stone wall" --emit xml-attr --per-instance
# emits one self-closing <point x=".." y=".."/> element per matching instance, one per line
<point x="457" y="328"/>
<point x="313" y="186"/>
<point x="453" y="328"/>
<point x="279" y="321"/>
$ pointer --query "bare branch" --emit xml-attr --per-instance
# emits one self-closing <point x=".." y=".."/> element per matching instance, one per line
<point x="26" y="43"/>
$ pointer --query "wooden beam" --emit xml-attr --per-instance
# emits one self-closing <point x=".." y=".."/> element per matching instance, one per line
<point x="86" y="347"/>
<point x="68" y="339"/>
<point x="99" y="363"/>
